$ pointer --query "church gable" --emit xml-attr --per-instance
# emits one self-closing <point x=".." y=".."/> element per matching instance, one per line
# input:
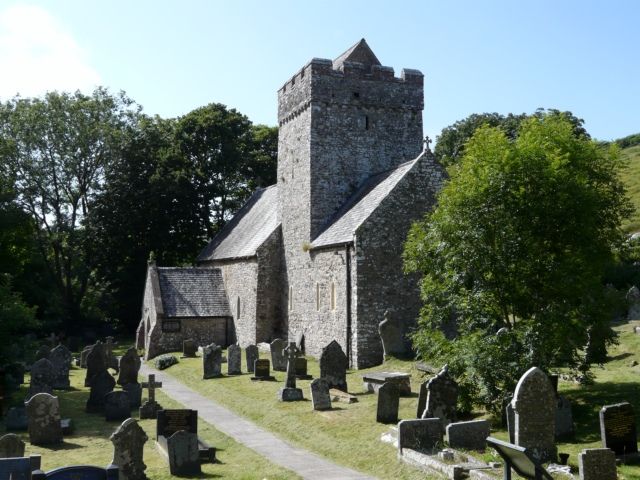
<point x="193" y="292"/>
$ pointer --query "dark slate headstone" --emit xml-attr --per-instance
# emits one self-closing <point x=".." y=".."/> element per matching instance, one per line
<point x="43" y="413"/>
<point x="171" y="421"/>
<point x="301" y="369"/>
<point x="183" y="453"/>
<point x="43" y="352"/>
<point x="392" y="336"/>
<point x="564" y="417"/>
<point x="320" y="397"/>
<point x="234" y="360"/>
<point x="134" y="390"/>
<point x="442" y="398"/>
<point x="42" y="374"/>
<point x="60" y="357"/>
<point x="16" y="419"/>
<point x="424" y="434"/>
<point x="388" y="402"/>
<point x="333" y="366"/>
<point x="189" y="348"/>
<point x="262" y="370"/>
<point x="128" y="445"/>
<point x="96" y="362"/>
<point x="129" y="367"/>
<point x="212" y="361"/>
<point x="534" y="404"/>
<point x="278" y="359"/>
<point x="470" y="435"/>
<point x="618" y="428"/>
<point x="101" y="384"/>
<point x="422" y="399"/>
<point x="597" y="464"/>
<point x="11" y="446"/>
<point x="117" y="406"/>
<point x="83" y="356"/>
<point x="19" y="468"/>
<point x="251" y="355"/>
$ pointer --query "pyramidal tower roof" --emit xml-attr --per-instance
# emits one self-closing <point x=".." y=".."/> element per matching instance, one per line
<point x="361" y="53"/>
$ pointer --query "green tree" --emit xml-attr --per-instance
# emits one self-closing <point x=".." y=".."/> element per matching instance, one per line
<point x="516" y="251"/>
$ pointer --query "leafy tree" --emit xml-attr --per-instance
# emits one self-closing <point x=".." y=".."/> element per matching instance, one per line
<point x="16" y="317"/>
<point x="516" y="251"/>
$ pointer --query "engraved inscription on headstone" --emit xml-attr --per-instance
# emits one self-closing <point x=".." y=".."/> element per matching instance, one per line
<point x="618" y="428"/>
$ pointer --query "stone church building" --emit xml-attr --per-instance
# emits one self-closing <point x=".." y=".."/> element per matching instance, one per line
<point x="320" y="252"/>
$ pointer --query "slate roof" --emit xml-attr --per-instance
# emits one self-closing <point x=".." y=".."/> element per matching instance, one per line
<point x="193" y="292"/>
<point x="341" y="228"/>
<point x="360" y="52"/>
<point x="247" y="230"/>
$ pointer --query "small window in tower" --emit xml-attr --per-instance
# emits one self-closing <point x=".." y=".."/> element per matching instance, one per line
<point x="333" y="295"/>
<point x="290" y="298"/>
<point x="356" y="94"/>
<point x="238" y="308"/>
<point x="366" y="122"/>
<point x="317" y="297"/>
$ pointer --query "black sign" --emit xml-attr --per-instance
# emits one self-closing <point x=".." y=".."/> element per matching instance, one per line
<point x="262" y="368"/>
<point x="618" y="428"/>
<point x="170" y="421"/>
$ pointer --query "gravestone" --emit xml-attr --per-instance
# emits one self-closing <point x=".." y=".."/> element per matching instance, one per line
<point x="128" y="445"/>
<point x="618" y="428"/>
<point x="16" y="419"/>
<point x="117" y="406"/>
<point x="110" y="359"/>
<point x="134" y="390"/>
<point x="534" y="404"/>
<point x="101" y="384"/>
<point x="83" y="356"/>
<point x="170" y="421"/>
<point x="633" y="300"/>
<point x="96" y="362"/>
<point x="301" y="368"/>
<point x="278" y="359"/>
<point x="43" y="414"/>
<point x="234" y="360"/>
<point x="333" y="366"/>
<point x="290" y="393"/>
<point x="442" y="398"/>
<point x="43" y="352"/>
<point x="251" y="355"/>
<point x="60" y="357"/>
<point x="320" y="397"/>
<point x="470" y="435"/>
<point x="212" y="361"/>
<point x="597" y="464"/>
<point x="11" y="446"/>
<point x="422" y="399"/>
<point x="129" y="367"/>
<point x="424" y="434"/>
<point x="19" y="468"/>
<point x="42" y="373"/>
<point x="388" y="402"/>
<point x="300" y="342"/>
<point x="189" y="348"/>
<point x="372" y="381"/>
<point x="564" y="417"/>
<point x="262" y="370"/>
<point x="150" y="407"/>
<point x="392" y="336"/>
<point x="183" y="454"/>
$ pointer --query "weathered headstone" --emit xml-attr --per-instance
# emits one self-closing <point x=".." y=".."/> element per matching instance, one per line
<point x="262" y="370"/>
<point x="278" y="359"/>
<point x="117" y="406"/>
<point x="422" y="399"/>
<point x="320" y="397"/>
<point x="129" y="367"/>
<point x="301" y="368"/>
<point x="633" y="300"/>
<point x="96" y="362"/>
<point x="134" y="390"/>
<point x="189" y="348"/>
<point x="251" y="355"/>
<point x="534" y="404"/>
<point x="392" y="336"/>
<point x="110" y="359"/>
<point x="43" y="413"/>
<point x="290" y="393"/>
<point x="11" y="446"/>
<point x="150" y="407"/>
<point x="183" y="453"/>
<point x="212" y="361"/>
<point x="170" y="421"/>
<point x="42" y="374"/>
<point x="597" y="464"/>
<point x="43" y="352"/>
<point x="618" y="428"/>
<point x="470" y="435"/>
<point x="234" y="360"/>
<point x="60" y="357"/>
<point x="372" y="381"/>
<point x="300" y="342"/>
<point x="442" y="398"/>
<point x="101" y="384"/>
<point x="83" y="356"/>
<point x="333" y="366"/>
<point x="16" y="419"/>
<point x="564" y="417"/>
<point x="128" y="445"/>
<point x="424" y="434"/>
<point x="388" y="402"/>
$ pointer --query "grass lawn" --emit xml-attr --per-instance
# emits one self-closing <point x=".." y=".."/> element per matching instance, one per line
<point x="90" y="442"/>
<point x="631" y="178"/>
<point x="349" y="434"/>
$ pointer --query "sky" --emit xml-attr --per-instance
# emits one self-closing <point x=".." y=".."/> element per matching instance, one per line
<point x="477" y="56"/>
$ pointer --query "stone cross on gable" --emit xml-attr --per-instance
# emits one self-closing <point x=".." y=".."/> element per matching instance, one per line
<point x="292" y="351"/>
<point x="152" y="385"/>
<point x="427" y="141"/>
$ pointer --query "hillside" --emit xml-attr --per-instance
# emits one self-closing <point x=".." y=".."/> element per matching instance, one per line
<point x="631" y="179"/>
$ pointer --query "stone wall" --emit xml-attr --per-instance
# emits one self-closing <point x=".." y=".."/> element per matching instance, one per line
<point x="203" y="330"/>
<point x="381" y="283"/>
<point x="270" y="322"/>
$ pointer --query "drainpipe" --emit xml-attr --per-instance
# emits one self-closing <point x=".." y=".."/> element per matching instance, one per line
<point x="348" y="297"/>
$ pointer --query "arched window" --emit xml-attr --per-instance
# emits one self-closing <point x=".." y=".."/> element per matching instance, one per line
<point x="317" y="297"/>
<point x="238" y="308"/>
<point x="290" y="298"/>
<point x="333" y="295"/>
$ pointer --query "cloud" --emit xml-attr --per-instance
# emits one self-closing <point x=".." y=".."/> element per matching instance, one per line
<point x="37" y="54"/>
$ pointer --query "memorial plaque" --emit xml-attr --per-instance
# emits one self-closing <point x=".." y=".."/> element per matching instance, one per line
<point x="618" y="428"/>
<point x="170" y="421"/>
